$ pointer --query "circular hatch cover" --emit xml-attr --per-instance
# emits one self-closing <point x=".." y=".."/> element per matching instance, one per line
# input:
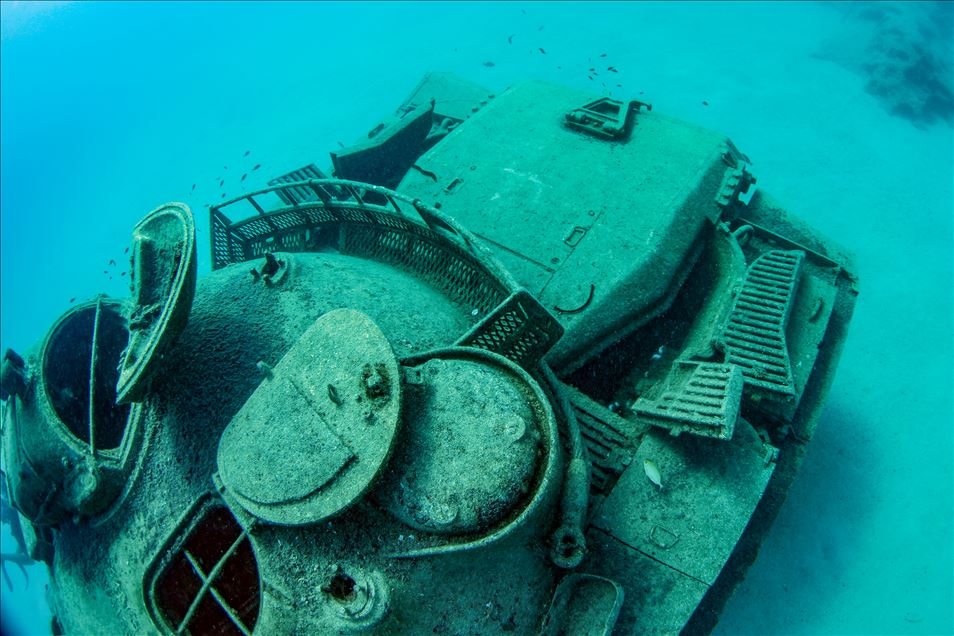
<point x="315" y="433"/>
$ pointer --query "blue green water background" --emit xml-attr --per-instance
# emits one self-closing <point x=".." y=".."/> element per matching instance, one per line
<point x="110" y="109"/>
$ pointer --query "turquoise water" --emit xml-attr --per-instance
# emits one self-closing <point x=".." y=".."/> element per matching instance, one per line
<point x="108" y="110"/>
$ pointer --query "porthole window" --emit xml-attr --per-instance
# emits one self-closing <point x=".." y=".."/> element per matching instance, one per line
<point x="87" y="346"/>
<point x="75" y="446"/>
<point x="205" y="580"/>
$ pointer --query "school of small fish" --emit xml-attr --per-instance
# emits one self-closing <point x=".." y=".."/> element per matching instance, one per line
<point x="592" y="74"/>
<point x="220" y="182"/>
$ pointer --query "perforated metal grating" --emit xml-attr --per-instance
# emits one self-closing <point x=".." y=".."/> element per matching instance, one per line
<point x="754" y="337"/>
<point x="606" y="436"/>
<point x="295" y="195"/>
<point x="339" y="218"/>
<point x="701" y="397"/>
<point x="452" y="271"/>
<point x="519" y="329"/>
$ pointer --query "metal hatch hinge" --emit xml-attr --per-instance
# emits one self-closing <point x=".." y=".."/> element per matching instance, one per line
<point x="605" y="118"/>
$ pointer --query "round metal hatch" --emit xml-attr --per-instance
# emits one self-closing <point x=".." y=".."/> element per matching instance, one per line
<point x="470" y="452"/>
<point x="163" y="278"/>
<point x="314" y="435"/>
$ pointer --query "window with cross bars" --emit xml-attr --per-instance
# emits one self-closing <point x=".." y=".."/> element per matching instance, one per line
<point x="208" y="583"/>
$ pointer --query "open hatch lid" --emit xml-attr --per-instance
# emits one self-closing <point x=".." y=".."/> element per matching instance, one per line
<point x="163" y="273"/>
<point x="317" y="431"/>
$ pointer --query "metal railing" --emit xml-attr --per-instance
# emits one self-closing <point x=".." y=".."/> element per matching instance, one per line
<point x="368" y="220"/>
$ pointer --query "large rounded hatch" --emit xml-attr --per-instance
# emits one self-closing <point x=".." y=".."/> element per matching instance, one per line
<point x="471" y="448"/>
<point x="315" y="434"/>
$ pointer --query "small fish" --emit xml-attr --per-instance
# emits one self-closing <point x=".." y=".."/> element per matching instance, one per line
<point x="193" y="187"/>
<point x="590" y="77"/>
<point x="489" y="64"/>
<point x="542" y="50"/>
<point x="333" y="395"/>
<point x="126" y="251"/>
<point x="612" y="69"/>
<point x="73" y="299"/>
<point x="652" y="471"/>
<point x="122" y="273"/>
<point x="705" y="103"/>
<point x="256" y="167"/>
<point x="223" y="196"/>
<point x="105" y="271"/>
<point x="225" y="167"/>
<point x="602" y="54"/>
<point x="559" y="68"/>
<point x="111" y="262"/>
<point x="619" y="86"/>
<point x="221" y="182"/>
<point x="341" y="144"/>
<point x="247" y="153"/>
<point x="540" y="28"/>
<point x="243" y="177"/>
<point x="510" y="39"/>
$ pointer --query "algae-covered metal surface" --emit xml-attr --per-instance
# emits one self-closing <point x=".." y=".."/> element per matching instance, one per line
<point x="532" y="363"/>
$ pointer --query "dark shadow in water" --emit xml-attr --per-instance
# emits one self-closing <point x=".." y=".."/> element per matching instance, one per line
<point x="814" y="539"/>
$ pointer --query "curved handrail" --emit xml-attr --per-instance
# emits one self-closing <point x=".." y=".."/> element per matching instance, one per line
<point x="432" y="218"/>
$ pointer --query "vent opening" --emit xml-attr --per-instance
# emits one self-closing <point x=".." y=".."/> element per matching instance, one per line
<point x="340" y="588"/>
